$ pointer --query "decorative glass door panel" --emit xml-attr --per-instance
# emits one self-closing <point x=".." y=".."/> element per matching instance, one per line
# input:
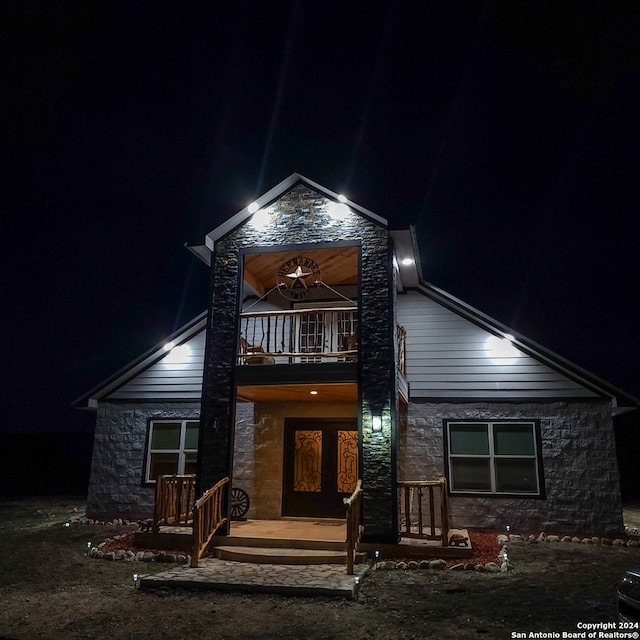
<point x="347" y="467"/>
<point x="320" y="466"/>
<point x="307" y="461"/>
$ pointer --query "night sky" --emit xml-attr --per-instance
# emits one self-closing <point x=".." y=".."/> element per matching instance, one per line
<point x="508" y="133"/>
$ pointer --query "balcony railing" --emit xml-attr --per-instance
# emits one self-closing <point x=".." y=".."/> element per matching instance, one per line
<point x="304" y="336"/>
<point x="300" y="336"/>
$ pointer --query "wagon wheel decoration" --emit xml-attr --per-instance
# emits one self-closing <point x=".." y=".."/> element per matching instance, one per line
<point x="239" y="503"/>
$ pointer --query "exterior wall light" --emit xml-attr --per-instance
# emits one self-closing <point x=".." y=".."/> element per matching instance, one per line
<point x="376" y="424"/>
<point x="178" y="355"/>
<point x="260" y="218"/>
<point x="338" y="211"/>
<point x="501" y="350"/>
<point x="313" y="392"/>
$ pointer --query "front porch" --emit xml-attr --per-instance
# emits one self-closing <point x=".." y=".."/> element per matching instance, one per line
<point x="180" y="523"/>
<point x="300" y="535"/>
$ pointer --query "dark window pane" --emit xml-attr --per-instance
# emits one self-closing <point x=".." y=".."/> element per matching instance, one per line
<point x="163" y="464"/>
<point x="516" y="476"/>
<point x="513" y="440"/>
<point x="165" y="435"/>
<point x="191" y="437"/>
<point x="190" y="460"/>
<point x="469" y="439"/>
<point x="470" y="474"/>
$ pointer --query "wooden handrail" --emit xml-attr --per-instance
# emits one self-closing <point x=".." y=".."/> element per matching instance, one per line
<point x="354" y="524"/>
<point x="408" y="491"/>
<point x="207" y="519"/>
<point x="174" y="498"/>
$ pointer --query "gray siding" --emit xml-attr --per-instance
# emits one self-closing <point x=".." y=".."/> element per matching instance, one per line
<point x="447" y="358"/>
<point x="168" y="381"/>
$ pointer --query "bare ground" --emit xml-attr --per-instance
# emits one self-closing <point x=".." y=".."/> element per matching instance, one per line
<point x="50" y="589"/>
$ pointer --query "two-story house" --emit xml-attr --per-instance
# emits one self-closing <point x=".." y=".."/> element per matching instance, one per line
<point x="324" y="358"/>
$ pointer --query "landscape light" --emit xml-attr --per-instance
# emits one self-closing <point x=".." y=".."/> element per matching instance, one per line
<point x="407" y="261"/>
<point x="376" y="423"/>
<point x="341" y="198"/>
<point x="253" y="207"/>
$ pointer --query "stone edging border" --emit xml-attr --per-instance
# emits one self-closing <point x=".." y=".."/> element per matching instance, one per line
<point x="502" y="564"/>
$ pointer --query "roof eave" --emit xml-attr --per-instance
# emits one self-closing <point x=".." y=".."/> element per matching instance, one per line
<point x="91" y="399"/>
<point x="618" y="397"/>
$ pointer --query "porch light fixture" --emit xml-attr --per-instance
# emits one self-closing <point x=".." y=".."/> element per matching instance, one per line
<point x="376" y="423"/>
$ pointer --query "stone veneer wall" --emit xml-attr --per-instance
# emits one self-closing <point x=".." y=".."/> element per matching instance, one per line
<point x="119" y="452"/>
<point x="301" y="217"/>
<point x="579" y="459"/>
<point x="259" y="448"/>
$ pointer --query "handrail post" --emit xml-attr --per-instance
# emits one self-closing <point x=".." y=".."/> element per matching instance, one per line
<point x="444" y="510"/>
<point x="353" y="506"/>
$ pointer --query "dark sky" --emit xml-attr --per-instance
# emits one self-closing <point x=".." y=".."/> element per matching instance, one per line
<point x="506" y="132"/>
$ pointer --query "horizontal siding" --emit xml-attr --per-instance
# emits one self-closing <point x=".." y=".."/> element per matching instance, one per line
<point x="168" y="380"/>
<point x="446" y="358"/>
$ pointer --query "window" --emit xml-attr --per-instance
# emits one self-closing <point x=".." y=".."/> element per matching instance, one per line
<point x="172" y="449"/>
<point x="493" y="457"/>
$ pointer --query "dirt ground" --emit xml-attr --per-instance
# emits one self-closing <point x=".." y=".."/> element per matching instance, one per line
<point x="50" y="589"/>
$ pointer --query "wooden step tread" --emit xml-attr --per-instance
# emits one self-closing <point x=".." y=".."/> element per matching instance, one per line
<point x="269" y="555"/>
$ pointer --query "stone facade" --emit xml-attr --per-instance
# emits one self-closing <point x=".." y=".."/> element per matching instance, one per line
<point x="301" y="218"/>
<point x="116" y="487"/>
<point x="579" y="459"/>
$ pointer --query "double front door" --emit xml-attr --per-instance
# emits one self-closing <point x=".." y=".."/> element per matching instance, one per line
<point x="320" y="466"/>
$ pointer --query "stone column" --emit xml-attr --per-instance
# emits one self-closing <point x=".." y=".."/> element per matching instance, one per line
<point x="378" y="393"/>
<point x="215" y="450"/>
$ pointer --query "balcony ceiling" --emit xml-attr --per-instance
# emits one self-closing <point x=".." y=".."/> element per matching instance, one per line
<point x="299" y="393"/>
<point x="337" y="266"/>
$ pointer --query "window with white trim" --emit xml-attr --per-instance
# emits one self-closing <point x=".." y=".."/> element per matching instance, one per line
<point x="172" y="448"/>
<point x="496" y="457"/>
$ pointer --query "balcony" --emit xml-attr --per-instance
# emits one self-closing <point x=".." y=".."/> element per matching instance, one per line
<point x="304" y="346"/>
<point x="298" y="337"/>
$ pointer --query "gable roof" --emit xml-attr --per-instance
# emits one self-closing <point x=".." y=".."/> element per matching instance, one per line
<point x="203" y="252"/>
<point x="407" y="265"/>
